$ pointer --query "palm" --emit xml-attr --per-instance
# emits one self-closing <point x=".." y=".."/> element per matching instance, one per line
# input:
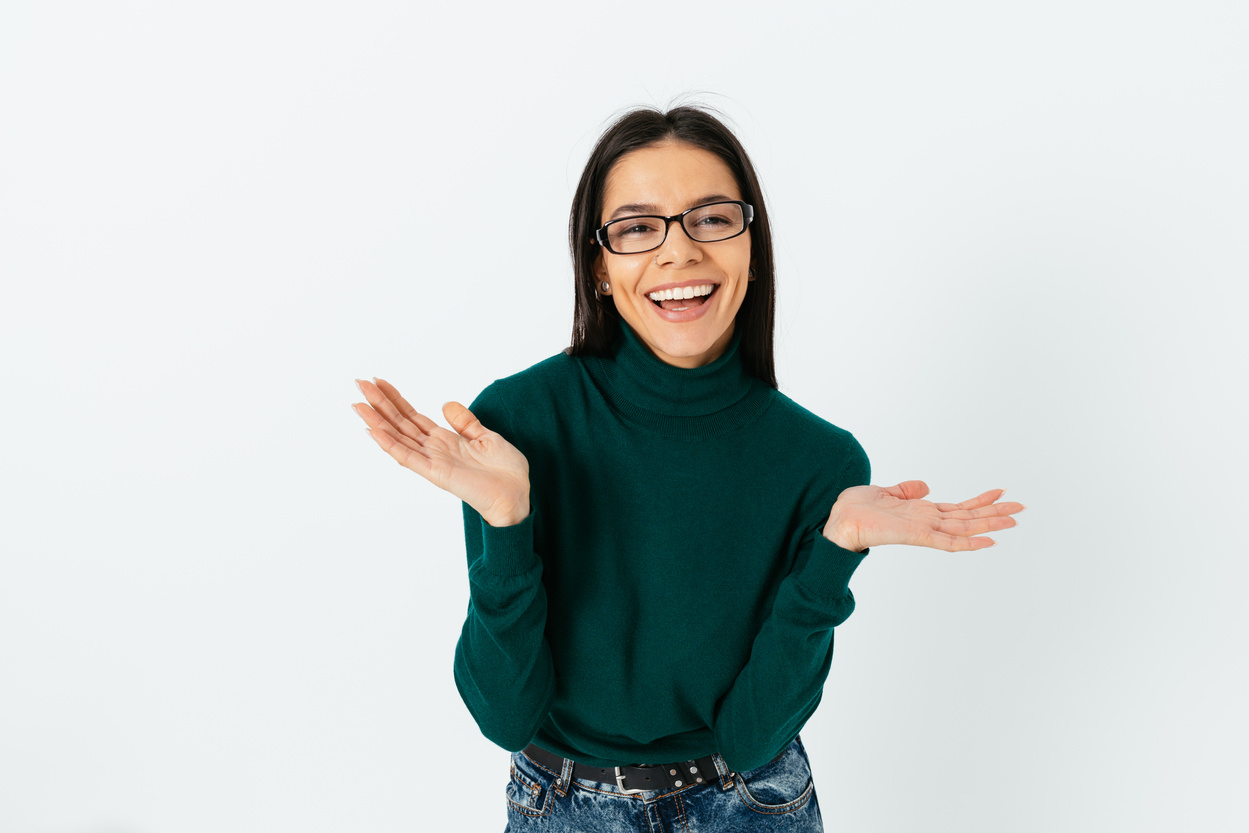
<point x="472" y="462"/>
<point x="875" y="516"/>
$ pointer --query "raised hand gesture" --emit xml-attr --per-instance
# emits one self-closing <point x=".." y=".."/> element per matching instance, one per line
<point x="472" y="462"/>
<point x="871" y="516"/>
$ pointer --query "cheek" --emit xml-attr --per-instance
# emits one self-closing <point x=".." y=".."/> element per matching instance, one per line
<point x="739" y="259"/>
<point x="625" y="273"/>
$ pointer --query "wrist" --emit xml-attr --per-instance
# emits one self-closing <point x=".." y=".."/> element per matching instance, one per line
<point x="509" y="517"/>
<point x="841" y="533"/>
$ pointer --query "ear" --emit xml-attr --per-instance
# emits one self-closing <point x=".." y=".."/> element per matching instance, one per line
<point x="600" y="274"/>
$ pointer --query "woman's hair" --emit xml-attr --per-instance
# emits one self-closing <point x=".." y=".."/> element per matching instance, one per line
<point x="596" y="321"/>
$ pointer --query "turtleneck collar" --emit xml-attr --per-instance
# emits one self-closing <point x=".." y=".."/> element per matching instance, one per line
<point x="707" y="400"/>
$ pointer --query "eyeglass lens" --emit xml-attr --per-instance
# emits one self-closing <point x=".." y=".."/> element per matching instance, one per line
<point x="706" y="224"/>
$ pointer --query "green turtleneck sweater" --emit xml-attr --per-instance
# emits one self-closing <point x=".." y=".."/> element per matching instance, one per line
<point x="671" y="593"/>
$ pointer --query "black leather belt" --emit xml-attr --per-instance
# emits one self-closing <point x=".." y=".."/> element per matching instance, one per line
<point x="632" y="779"/>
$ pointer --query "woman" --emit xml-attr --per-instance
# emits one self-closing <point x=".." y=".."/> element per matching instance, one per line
<point x="659" y="541"/>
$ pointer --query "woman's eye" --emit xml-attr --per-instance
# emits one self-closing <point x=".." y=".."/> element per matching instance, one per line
<point x="713" y="221"/>
<point x="638" y="228"/>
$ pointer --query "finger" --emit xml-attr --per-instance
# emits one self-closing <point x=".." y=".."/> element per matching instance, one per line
<point x="973" y="503"/>
<point x="994" y="510"/>
<point x="404" y="454"/>
<point x="406" y="422"/>
<point x="908" y="490"/>
<point x="462" y="420"/>
<point x="377" y="424"/>
<point x="979" y="526"/>
<point x="956" y="543"/>
<point x="404" y="408"/>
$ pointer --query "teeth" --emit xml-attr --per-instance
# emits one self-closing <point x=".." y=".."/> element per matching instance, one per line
<point x="684" y="292"/>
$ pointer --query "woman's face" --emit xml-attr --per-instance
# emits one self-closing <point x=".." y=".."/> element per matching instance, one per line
<point x="666" y="179"/>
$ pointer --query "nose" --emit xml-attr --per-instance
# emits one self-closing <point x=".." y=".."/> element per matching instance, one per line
<point x="678" y="247"/>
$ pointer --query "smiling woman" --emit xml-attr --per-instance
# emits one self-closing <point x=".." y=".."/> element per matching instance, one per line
<point x="647" y="168"/>
<point x="628" y="606"/>
<point x="640" y="255"/>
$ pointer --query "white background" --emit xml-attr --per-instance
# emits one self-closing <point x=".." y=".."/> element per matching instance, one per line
<point x="1011" y="251"/>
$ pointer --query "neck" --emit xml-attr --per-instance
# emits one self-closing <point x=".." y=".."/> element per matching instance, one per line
<point x="678" y="402"/>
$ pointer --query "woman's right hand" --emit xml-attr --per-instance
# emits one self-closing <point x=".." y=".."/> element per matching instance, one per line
<point x="472" y="462"/>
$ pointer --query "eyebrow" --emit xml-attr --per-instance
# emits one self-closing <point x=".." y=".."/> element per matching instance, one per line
<point x="650" y="208"/>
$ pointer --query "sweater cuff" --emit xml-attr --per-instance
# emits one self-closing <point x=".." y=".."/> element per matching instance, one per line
<point x="508" y="550"/>
<point x="828" y="570"/>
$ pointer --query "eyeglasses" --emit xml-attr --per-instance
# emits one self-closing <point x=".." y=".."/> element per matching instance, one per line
<point x="704" y="223"/>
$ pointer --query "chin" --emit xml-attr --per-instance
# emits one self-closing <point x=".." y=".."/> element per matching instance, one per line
<point x="691" y="346"/>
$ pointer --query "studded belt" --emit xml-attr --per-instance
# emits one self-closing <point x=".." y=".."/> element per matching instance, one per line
<point x="632" y="779"/>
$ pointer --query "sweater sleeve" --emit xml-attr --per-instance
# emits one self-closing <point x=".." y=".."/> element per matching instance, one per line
<point x="503" y="666"/>
<point x="780" y="686"/>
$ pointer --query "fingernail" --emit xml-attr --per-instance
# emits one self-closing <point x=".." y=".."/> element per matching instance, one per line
<point x="1024" y="505"/>
<point x="360" y="388"/>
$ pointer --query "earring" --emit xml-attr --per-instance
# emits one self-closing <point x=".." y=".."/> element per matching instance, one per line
<point x="751" y="273"/>
<point x="606" y="286"/>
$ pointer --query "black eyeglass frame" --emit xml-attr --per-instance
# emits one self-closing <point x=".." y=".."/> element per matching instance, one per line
<point x="748" y="216"/>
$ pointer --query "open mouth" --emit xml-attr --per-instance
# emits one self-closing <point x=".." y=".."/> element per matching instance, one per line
<point x="685" y="303"/>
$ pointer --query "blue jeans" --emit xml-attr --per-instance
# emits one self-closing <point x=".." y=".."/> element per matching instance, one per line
<point x="778" y="796"/>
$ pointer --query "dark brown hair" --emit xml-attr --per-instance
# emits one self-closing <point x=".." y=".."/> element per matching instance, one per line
<point x="596" y="322"/>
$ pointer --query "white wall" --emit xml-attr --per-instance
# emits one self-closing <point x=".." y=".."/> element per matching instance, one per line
<point x="1011" y="246"/>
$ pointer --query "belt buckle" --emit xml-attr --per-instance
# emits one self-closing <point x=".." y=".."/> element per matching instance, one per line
<point x="620" y="783"/>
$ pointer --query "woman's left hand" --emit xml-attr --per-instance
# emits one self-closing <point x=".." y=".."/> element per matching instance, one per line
<point x="872" y="516"/>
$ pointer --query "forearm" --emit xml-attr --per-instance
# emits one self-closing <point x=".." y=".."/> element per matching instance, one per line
<point x="503" y="666"/>
<point x="780" y="686"/>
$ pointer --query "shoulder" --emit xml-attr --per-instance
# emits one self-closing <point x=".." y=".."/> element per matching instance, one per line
<point x="831" y="447"/>
<point x="537" y="386"/>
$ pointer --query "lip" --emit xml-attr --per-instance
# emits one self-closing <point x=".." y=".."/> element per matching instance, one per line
<point x="691" y="314"/>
